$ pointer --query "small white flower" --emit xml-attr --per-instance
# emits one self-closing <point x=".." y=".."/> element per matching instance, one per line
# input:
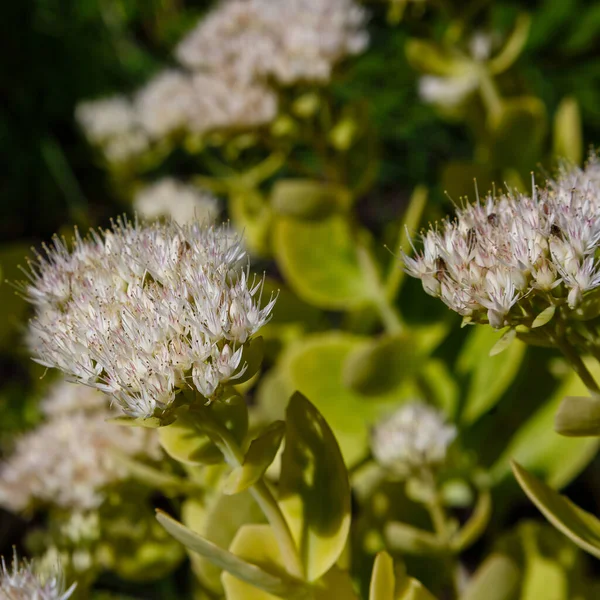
<point x="23" y="582"/>
<point x="177" y="201"/>
<point x="414" y="436"/>
<point x="286" y="40"/>
<point x="71" y="459"/>
<point x="135" y="311"/>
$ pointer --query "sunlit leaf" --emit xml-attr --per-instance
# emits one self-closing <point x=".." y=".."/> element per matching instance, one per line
<point x="314" y="489"/>
<point x="496" y="579"/>
<point x="568" y="134"/>
<point x="577" y="524"/>
<point x="259" y="456"/>
<point x="319" y="261"/>
<point x="578" y="416"/>
<point x="383" y="580"/>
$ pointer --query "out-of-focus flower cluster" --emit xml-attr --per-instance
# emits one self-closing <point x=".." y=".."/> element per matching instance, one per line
<point x="504" y="260"/>
<point x="415" y="436"/>
<point x="174" y="199"/>
<point x="144" y="311"/>
<point x="23" y="582"/>
<point x="71" y="458"/>
<point x="229" y="62"/>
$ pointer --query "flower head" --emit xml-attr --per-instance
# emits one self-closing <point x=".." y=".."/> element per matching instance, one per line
<point x="142" y="312"/>
<point x="176" y="200"/>
<point x="71" y="459"/>
<point x="414" y="436"/>
<point x="287" y="40"/>
<point x="22" y="582"/>
<point x="515" y="250"/>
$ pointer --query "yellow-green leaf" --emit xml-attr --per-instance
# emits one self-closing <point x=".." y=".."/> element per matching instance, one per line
<point x="250" y="573"/>
<point x="319" y="261"/>
<point x="383" y="580"/>
<point x="185" y="441"/>
<point x="402" y="537"/>
<point x="430" y="58"/>
<point x="578" y="416"/>
<point x="476" y="524"/>
<point x="314" y="489"/>
<point x="580" y="526"/>
<point x="308" y="199"/>
<point x="496" y="579"/>
<point x="260" y="455"/>
<point x="568" y="134"/>
<point x="544" y="317"/>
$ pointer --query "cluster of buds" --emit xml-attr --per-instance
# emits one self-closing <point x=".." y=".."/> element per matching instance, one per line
<point x="505" y="260"/>
<point x="22" y="582"/>
<point x="143" y="312"/>
<point x="74" y="456"/>
<point x="414" y="437"/>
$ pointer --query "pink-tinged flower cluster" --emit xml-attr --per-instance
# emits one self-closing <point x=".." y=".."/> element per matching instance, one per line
<point x="142" y="312"/>
<point x="23" y="582"/>
<point x="511" y="248"/>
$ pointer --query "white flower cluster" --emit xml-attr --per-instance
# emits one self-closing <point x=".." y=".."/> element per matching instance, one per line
<point x="71" y="458"/>
<point x="22" y="582"/>
<point x="286" y="40"/>
<point x="113" y="124"/>
<point x="414" y="436"/>
<point x="144" y="311"/>
<point x="229" y="60"/>
<point x="175" y="200"/>
<point x="540" y="249"/>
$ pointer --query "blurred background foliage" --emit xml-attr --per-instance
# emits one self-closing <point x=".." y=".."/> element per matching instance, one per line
<point x="60" y="52"/>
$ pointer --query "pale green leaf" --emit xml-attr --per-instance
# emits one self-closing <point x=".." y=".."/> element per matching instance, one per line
<point x="577" y="524"/>
<point x="544" y="317"/>
<point x="314" y="489"/>
<point x="319" y="261"/>
<point x="308" y="199"/>
<point x="491" y="375"/>
<point x="578" y="416"/>
<point x="568" y="134"/>
<point x="496" y="579"/>
<point x="383" y="579"/>
<point x="427" y="57"/>
<point x="540" y="449"/>
<point x="226" y="560"/>
<point x="404" y="538"/>
<point x="503" y="343"/>
<point x="260" y="455"/>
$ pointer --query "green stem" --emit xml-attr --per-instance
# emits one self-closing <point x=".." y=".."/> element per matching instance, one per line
<point x="261" y="493"/>
<point x="570" y="353"/>
<point x="387" y="312"/>
<point x="489" y="94"/>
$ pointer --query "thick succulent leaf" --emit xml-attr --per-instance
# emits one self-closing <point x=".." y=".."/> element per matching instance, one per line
<point x="577" y="524"/>
<point x="404" y="538"/>
<point x="539" y="448"/>
<point x="260" y="455"/>
<point x="578" y="416"/>
<point x="568" y="134"/>
<point x="497" y="578"/>
<point x="490" y="376"/>
<point x="319" y="261"/>
<point x="217" y="519"/>
<point x="185" y="441"/>
<point x="314" y="366"/>
<point x="383" y="579"/>
<point x="314" y="488"/>
<point x="308" y="199"/>
<point x="381" y="365"/>
<point x="266" y="581"/>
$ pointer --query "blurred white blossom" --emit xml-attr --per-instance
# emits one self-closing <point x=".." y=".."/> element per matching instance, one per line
<point x="414" y="436"/>
<point x="144" y="311"/>
<point x="287" y="40"/>
<point x="514" y="247"/>
<point x="113" y="125"/>
<point x="176" y="200"/>
<point x="24" y="582"/>
<point x="72" y="457"/>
